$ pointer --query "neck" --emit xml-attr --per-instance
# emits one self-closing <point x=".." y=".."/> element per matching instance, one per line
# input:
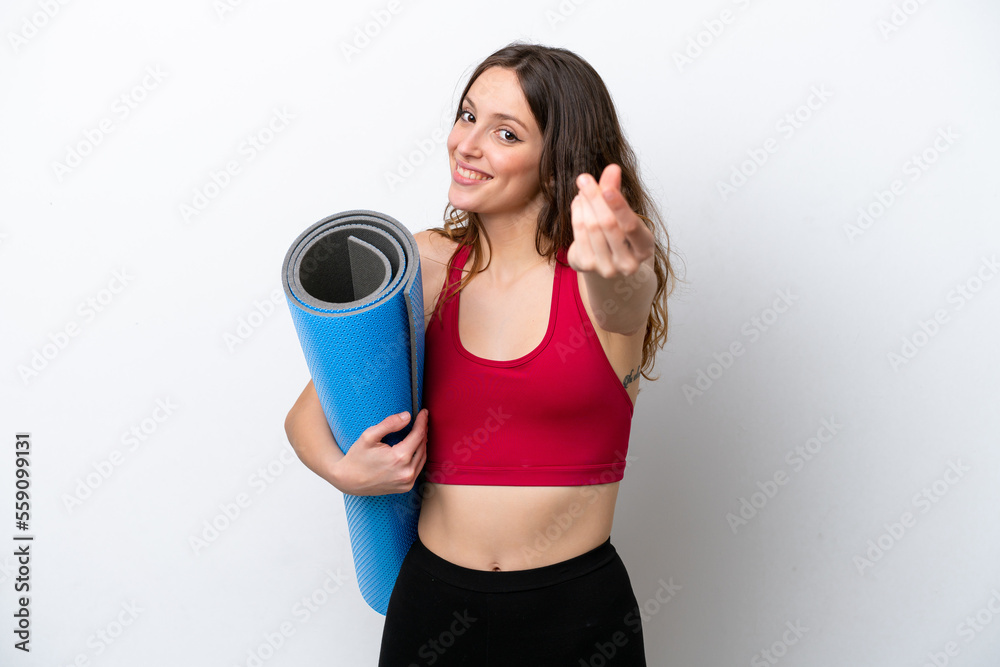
<point x="512" y="245"/>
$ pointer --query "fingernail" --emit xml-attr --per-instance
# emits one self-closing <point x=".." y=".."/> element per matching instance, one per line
<point x="403" y="415"/>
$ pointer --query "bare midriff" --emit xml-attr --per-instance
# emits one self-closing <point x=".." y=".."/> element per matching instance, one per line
<point x="499" y="528"/>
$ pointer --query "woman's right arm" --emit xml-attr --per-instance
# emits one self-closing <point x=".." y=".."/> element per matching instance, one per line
<point x="370" y="466"/>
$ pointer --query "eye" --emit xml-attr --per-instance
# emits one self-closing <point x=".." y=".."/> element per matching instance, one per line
<point x="507" y="136"/>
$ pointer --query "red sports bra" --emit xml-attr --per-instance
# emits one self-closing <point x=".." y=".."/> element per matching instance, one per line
<point x="558" y="416"/>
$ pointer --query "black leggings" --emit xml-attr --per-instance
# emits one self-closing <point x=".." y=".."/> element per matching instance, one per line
<point x="580" y="612"/>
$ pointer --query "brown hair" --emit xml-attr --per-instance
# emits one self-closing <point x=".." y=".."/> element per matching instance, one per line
<point x="581" y="133"/>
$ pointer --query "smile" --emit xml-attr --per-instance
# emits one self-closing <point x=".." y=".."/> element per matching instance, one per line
<point x="471" y="175"/>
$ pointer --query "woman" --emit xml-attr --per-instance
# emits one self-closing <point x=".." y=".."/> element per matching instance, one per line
<point x="563" y="305"/>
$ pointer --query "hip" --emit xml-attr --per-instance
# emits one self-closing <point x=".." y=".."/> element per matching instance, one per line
<point x="569" y="612"/>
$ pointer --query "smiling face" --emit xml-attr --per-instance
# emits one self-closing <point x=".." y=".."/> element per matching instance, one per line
<point x="494" y="148"/>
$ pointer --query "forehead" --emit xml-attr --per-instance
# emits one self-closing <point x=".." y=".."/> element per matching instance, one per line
<point x="497" y="90"/>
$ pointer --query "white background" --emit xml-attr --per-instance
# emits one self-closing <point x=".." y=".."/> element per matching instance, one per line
<point x="189" y="284"/>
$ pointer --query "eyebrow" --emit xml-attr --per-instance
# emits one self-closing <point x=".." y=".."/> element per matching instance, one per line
<point x="501" y="116"/>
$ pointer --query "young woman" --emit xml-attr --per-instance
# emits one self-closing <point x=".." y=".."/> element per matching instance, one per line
<point x="545" y="300"/>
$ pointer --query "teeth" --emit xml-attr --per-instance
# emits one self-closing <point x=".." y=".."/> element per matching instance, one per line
<point x="475" y="175"/>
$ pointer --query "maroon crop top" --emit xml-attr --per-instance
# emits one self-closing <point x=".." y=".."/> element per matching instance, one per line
<point x="558" y="416"/>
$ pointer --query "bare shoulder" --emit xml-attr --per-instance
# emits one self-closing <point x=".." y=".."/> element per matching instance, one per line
<point x="435" y="251"/>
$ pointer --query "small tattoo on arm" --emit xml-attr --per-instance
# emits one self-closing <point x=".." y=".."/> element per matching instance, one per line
<point x="632" y="376"/>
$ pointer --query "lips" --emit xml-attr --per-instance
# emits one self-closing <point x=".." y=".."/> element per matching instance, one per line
<point x="467" y="171"/>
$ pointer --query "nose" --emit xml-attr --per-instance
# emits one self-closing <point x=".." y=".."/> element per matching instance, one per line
<point x="469" y="142"/>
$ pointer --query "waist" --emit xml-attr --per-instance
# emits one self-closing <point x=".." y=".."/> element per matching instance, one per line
<point x="422" y="557"/>
<point x="514" y="528"/>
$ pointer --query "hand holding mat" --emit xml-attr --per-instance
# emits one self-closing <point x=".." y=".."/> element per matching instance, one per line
<point x="353" y="286"/>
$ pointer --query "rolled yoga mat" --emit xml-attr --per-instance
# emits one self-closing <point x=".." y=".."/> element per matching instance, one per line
<point x="353" y="286"/>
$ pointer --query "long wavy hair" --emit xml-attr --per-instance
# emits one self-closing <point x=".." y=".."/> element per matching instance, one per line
<point x="581" y="133"/>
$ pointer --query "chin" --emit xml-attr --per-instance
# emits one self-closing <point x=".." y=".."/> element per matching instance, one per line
<point x="459" y="201"/>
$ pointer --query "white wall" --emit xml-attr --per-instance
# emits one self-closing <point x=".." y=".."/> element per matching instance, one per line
<point x="189" y="281"/>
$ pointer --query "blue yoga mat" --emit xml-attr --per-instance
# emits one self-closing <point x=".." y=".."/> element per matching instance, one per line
<point x="353" y="286"/>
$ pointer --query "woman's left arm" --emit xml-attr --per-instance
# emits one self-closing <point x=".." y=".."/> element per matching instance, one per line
<point x="613" y="248"/>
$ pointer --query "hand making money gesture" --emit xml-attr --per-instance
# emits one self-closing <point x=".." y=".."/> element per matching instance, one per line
<point x="609" y="238"/>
